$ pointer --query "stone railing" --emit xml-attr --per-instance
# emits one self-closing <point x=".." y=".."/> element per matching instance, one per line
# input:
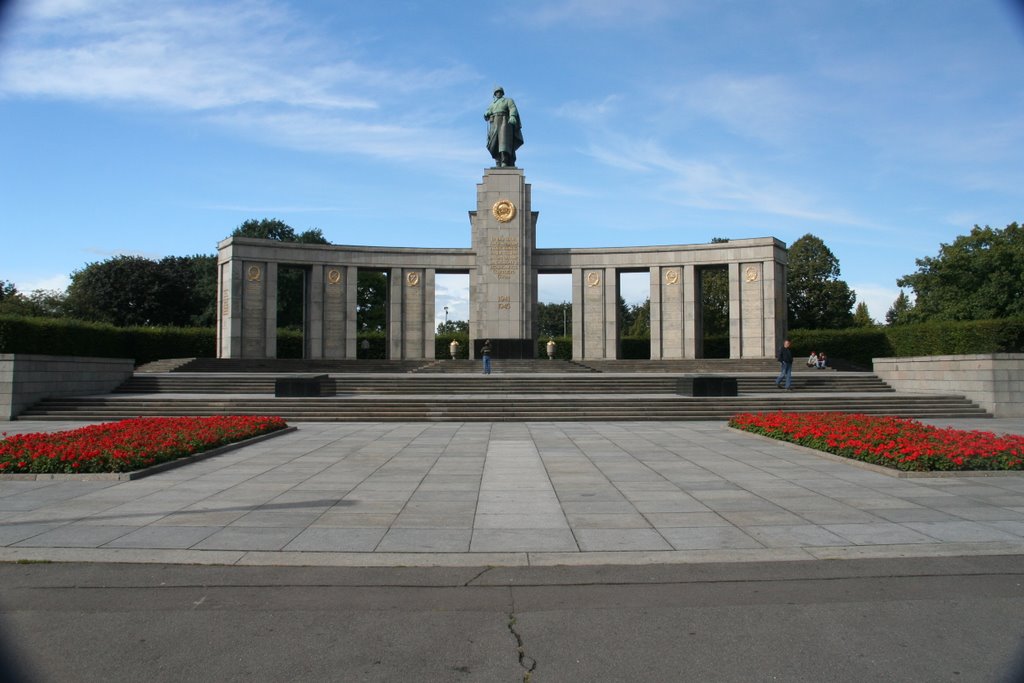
<point x="993" y="381"/>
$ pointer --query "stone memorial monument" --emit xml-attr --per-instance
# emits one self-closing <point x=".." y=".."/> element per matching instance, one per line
<point x="503" y="264"/>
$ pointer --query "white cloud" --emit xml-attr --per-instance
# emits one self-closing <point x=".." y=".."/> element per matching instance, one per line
<point x="246" y="65"/>
<point x="767" y="108"/>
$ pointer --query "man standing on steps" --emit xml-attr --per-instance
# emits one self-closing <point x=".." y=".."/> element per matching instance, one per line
<point x="485" y="351"/>
<point x="785" y="358"/>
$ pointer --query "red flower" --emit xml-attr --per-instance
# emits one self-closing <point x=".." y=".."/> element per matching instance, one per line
<point x="128" y="444"/>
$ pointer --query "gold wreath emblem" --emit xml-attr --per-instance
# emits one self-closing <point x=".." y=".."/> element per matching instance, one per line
<point x="413" y="279"/>
<point x="254" y="273"/>
<point x="672" y="277"/>
<point x="750" y="274"/>
<point x="333" y="276"/>
<point x="593" y="278"/>
<point x="504" y="210"/>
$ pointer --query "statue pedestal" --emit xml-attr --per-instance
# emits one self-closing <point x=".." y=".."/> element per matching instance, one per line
<point x="503" y="285"/>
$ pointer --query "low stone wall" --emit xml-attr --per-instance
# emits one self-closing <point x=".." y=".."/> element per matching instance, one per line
<point x="26" y="379"/>
<point x="994" y="381"/>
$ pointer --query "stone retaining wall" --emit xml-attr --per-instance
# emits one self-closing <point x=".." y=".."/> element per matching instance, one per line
<point x="26" y="379"/>
<point x="993" y="381"/>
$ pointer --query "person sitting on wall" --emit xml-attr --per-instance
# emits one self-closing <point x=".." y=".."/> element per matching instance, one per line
<point x="822" y="361"/>
<point x="812" y="360"/>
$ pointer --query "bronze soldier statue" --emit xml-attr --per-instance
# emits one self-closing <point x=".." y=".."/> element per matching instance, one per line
<point x="505" y="133"/>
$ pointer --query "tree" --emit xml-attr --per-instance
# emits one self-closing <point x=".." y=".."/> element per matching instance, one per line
<point x="371" y="301"/>
<point x="134" y="290"/>
<point x="190" y="295"/>
<point x="818" y="299"/>
<point x="7" y="290"/>
<point x="554" y="320"/>
<point x="901" y="311"/>
<point x="861" y="317"/>
<point x="453" y="327"/>
<point x="714" y="288"/>
<point x="123" y="290"/>
<point x="639" y="320"/>
<point x="979" y="276"/>
<point x="274" y="229"/>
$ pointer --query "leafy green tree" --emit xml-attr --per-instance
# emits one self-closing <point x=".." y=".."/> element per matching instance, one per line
<point x="449" y="327"/>
<point x="554" y="320"/>
<point x="714" y="288"/>
<point x="901" y="311"/>
<point x="7" y="290"/>
<point x="274" y="229"/>
<point x="818" y="299"/>
<point x="189" y="297"/>
<point x="41" y="303"/>
<point x="979" y="276"/>
<point x="123" y="290"/>
<point x="134" y="290"/>
<point x="639" y="320"/>
<point x="372" y="301"/>
<point x="861" y="316"/>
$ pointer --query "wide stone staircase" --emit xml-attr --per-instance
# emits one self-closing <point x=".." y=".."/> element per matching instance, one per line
<point x="534" y="390"/>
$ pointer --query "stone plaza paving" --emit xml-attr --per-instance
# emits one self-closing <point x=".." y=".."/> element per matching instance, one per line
<point x="512" y="494"/>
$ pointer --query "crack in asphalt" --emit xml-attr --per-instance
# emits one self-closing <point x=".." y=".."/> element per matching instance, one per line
<point x="528" y="663"/>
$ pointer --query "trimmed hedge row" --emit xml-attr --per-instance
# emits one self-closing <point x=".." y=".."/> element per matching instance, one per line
<point x="856" y="346"/>
<point x="65" y="337"/>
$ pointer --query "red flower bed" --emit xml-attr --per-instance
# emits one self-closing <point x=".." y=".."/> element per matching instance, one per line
<point x="127" y="445"/>
<point x="890" y="441"/>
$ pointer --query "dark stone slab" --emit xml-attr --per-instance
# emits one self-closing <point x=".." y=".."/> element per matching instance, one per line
<point x="298" y="386"/>
<point x="710" y="385"/>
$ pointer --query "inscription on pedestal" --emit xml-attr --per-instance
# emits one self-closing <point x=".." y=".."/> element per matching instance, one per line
<point x="504" y="259"/>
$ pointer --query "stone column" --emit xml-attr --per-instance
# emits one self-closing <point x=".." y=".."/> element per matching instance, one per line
<point x="752" y="311"/>
<point x="411" y="314"/>
<point x="693" y="313"/>
<point x="577" y="314"/>
<point x="350" y="300"/>
<point x="669" y="329"/>
<point x="611" y="316"/>
<point x="594" y="321"/>
<point x="735" y="313"/>
<point x="503" y="239"/>
<point x="230" y="276"/>
<point x="657" y="340"/>
<point x="329" y="286"/>
<point x="313" y="325"/>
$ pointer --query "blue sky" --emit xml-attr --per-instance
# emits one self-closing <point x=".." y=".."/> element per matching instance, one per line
<point x="155" y="128"/>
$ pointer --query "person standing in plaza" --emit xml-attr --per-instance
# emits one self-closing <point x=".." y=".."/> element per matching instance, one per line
<point x="485" y="351"/>
<point x="785" y="358"/>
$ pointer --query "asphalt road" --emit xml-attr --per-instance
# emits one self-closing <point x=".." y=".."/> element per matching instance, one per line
<point x="924" y="619"/>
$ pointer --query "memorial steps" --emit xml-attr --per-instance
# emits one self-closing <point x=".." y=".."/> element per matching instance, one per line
<point x="533" y="395"/>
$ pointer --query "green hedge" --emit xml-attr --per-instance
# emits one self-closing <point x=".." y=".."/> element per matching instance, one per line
<point x="563" y="347"/>
<point x="65" y="337"/>
<point x="376" y="343"/>
<point x="1005" y="335"/>
<point x="856" y="346"/>
<point x="859" y="345"/>
<point x="442" y="343"/>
